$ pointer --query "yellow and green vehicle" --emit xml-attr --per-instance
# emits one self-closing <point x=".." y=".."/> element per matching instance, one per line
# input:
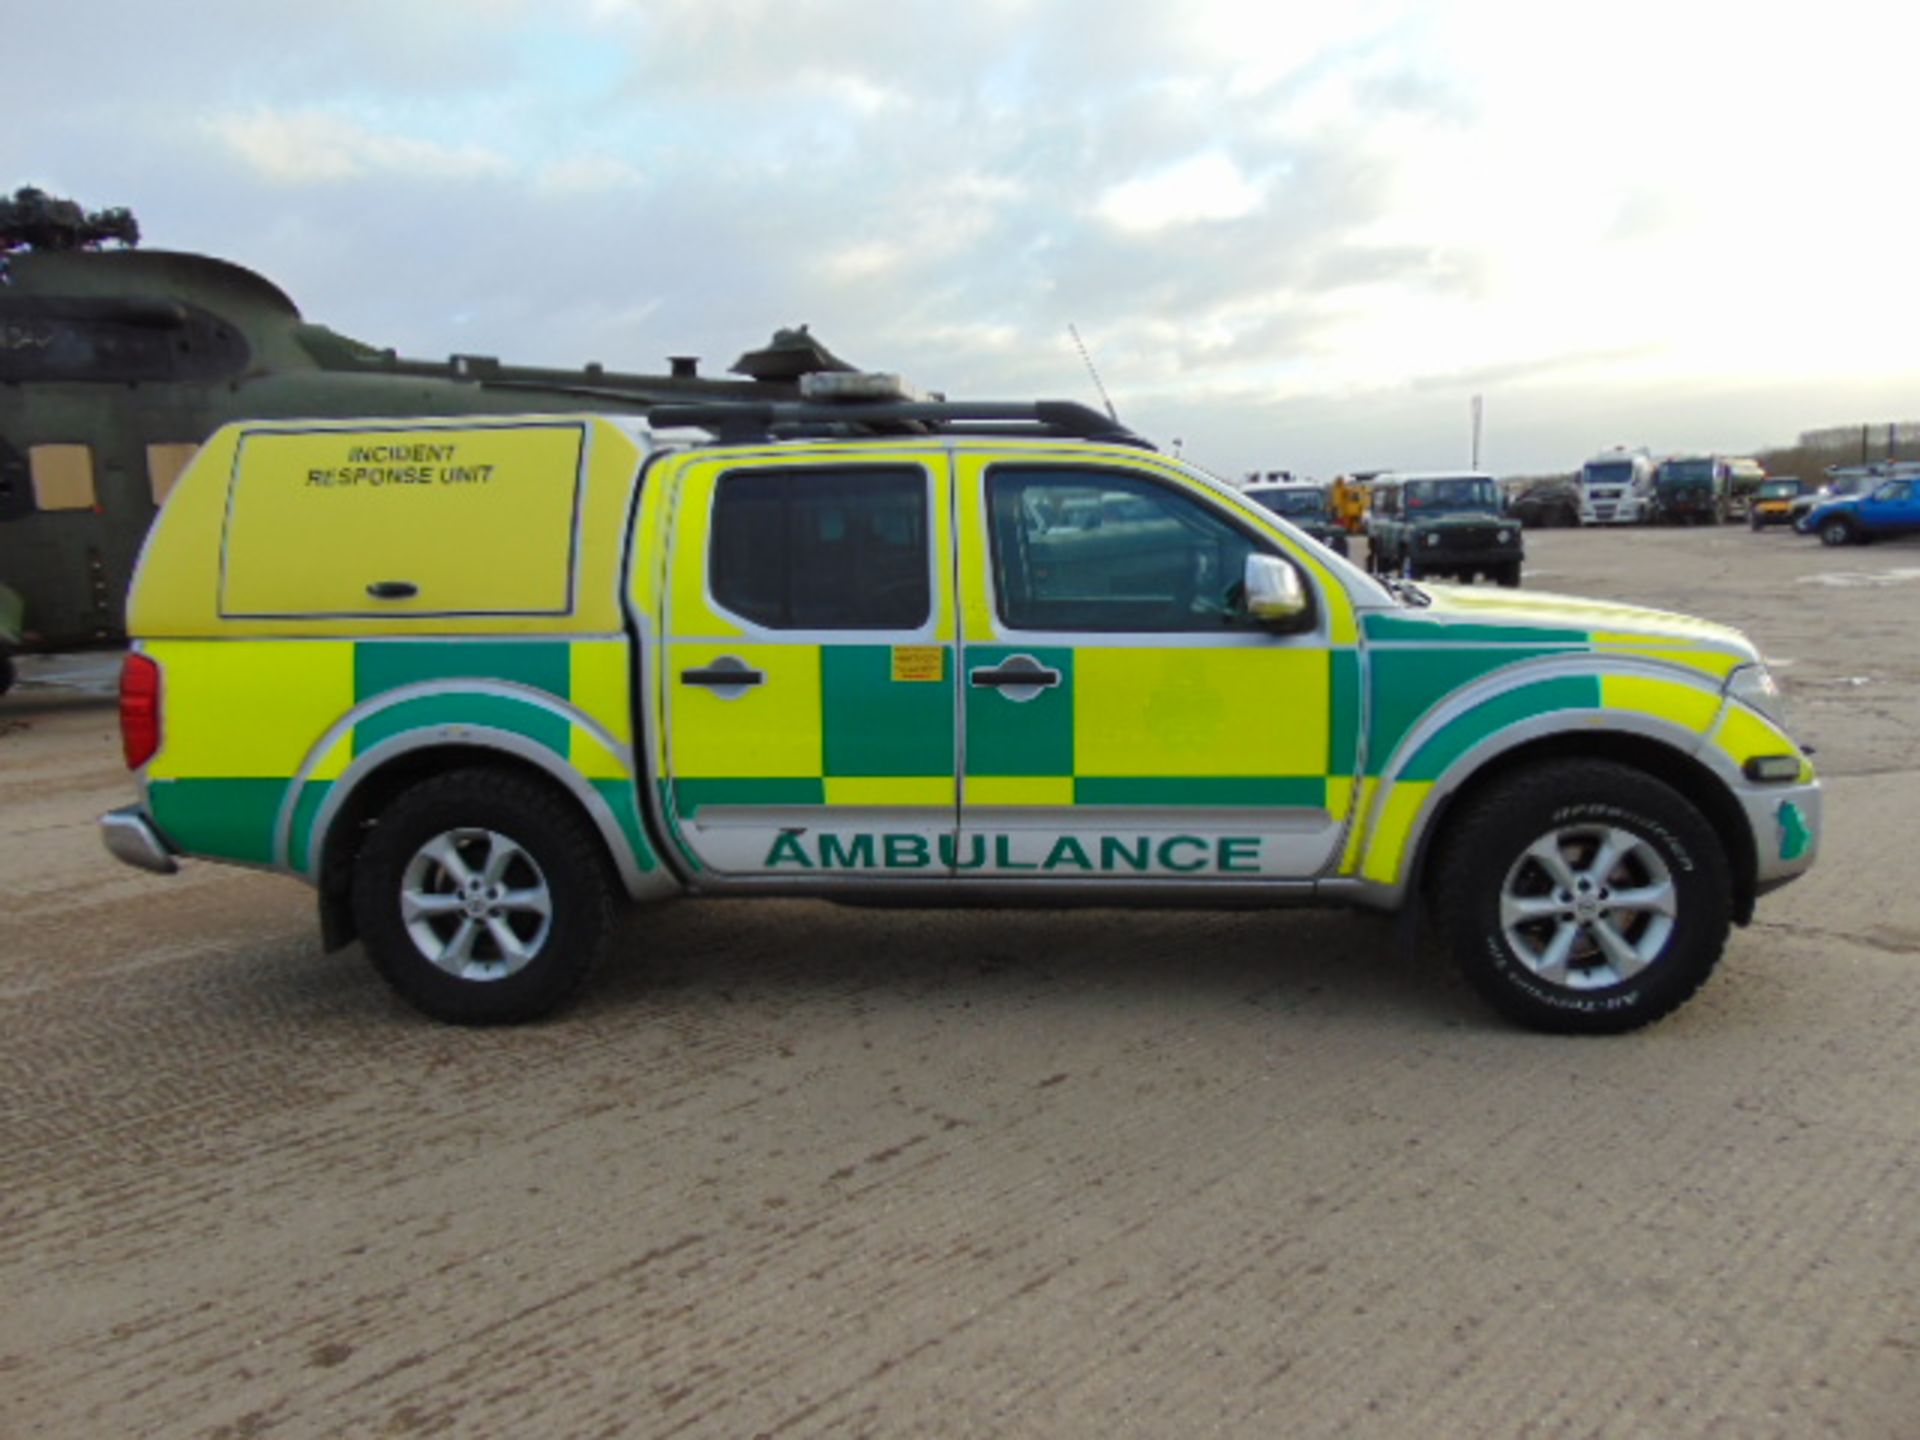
<point x="477" y="680"/>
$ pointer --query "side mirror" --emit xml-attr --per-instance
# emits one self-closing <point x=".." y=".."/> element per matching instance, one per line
<point x="1275" y="596"/>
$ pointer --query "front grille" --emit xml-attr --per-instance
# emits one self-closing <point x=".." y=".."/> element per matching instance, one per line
<point x="1468" y="537"/>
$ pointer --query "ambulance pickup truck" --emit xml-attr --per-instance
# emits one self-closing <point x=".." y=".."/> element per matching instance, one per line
<point x="477" y="680"/>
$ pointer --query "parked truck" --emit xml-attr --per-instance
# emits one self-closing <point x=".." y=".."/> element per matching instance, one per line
<point x="1616" y="488"/>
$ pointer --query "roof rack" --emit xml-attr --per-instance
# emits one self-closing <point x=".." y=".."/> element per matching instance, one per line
<point x="735" y="422"/>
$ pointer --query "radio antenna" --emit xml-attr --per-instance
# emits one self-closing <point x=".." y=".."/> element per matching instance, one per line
<point x="1081" y="346"/>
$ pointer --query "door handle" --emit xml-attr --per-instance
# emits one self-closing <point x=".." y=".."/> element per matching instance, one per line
<point x="722" y="674"/>
<point x="1011" y="673"/>
<point x="393" y="589"/>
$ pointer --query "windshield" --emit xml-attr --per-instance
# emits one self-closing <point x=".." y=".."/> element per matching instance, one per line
<point x="1779" y="489"/>
<point x="1614" y="472"/>
<point x="1463" y="493"/>
<point x="1687" y="472"/>
<point x="1294" y="501"/>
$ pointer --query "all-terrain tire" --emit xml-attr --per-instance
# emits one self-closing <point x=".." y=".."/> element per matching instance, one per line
<point x="1508" y="575"/>
<point x="483" y="897"/>
<point x="1620" y="835"/>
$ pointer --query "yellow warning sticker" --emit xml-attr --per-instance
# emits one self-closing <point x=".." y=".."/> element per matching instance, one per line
<point x="918" y="662"/>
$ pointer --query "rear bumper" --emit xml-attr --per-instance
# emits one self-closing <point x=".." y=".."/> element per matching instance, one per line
<point x="130" y="836"/>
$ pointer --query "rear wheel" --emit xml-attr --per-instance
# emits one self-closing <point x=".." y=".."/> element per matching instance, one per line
<point x="483" y="897"/>
<point x="1584" y="896"/>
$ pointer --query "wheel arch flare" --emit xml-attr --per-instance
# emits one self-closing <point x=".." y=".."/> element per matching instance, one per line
<point x="1661" y="717"/>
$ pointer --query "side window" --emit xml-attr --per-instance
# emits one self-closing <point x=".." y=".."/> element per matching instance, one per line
<point x="797" y="549"/>
<point x="1105" y="551"/>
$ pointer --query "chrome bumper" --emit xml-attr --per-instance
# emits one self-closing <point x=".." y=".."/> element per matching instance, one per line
<point x="130" y="836"/>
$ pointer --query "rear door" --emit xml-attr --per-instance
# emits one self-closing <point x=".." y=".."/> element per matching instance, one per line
<point x="1125" y="720"/>
<point x="809" y="665"/>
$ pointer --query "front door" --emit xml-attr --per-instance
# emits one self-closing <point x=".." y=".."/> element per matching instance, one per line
<point x="809" y="665"/>
<point x="1125" y="718"/>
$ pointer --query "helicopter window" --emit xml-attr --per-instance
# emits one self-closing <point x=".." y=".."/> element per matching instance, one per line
<point x="164" y="464"/>
<point x="62" y="477"/>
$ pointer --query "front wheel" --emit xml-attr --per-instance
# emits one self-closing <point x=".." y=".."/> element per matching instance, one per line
<point x="1836" y="532"/>
<point x="483" y="897"/>
<point x="1508" y="575"/>
<point x="1584" y="897"/>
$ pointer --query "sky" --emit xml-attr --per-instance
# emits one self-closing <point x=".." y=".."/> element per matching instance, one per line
<point x="1291" y="236"/>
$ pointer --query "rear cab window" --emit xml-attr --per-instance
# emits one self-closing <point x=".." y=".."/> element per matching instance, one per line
<point x="823" y="549"/>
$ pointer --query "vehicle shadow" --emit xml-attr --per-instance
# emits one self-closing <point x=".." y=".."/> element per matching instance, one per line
<point x="687" y="957"/>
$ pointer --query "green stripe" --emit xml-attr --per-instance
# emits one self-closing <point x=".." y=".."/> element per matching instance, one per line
<point x="620" y="796"/>
<point x="690" y="795"/>
<point x="1343" y="710"/>
<point x="1436" y="630"/>
<point x="382" y="665"/>
<point x="1281" y="791"/>
<point x="225" y="819"/>
<point x="313" y="795"/>
<point x="674" y="833"/>
<point x="1463" y="732"/>
<point x="498" y="712"/>
<point x="1405" y="684"/>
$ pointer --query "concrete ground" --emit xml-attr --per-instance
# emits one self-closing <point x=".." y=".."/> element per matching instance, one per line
<point x="803" y="1171"/>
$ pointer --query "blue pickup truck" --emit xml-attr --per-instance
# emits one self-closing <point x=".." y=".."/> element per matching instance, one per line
<point x="1892" y="508"/>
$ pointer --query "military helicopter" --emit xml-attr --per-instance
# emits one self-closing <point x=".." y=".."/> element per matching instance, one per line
<point x="116" y="363"/>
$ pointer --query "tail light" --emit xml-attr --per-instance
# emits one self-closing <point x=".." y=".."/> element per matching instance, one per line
<point x="139" y="709"/>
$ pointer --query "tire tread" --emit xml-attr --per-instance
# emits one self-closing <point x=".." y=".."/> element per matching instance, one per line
<point x="1477" y="839"/>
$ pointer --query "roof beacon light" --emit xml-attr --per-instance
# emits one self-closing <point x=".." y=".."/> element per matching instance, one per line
<point x="834" y="385"/>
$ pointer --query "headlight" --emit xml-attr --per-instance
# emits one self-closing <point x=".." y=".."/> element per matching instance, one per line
<point x="1506" y="537"/>
<point x="1753" y="686"/>
<point x="1433" y="538"/>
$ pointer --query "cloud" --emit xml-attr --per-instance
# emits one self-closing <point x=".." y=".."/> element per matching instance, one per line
<point x="589" y="174"/>
<point x="317" y="147"/>
<point x="1193" y="191"/>
<point x="1290" y="228"/>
